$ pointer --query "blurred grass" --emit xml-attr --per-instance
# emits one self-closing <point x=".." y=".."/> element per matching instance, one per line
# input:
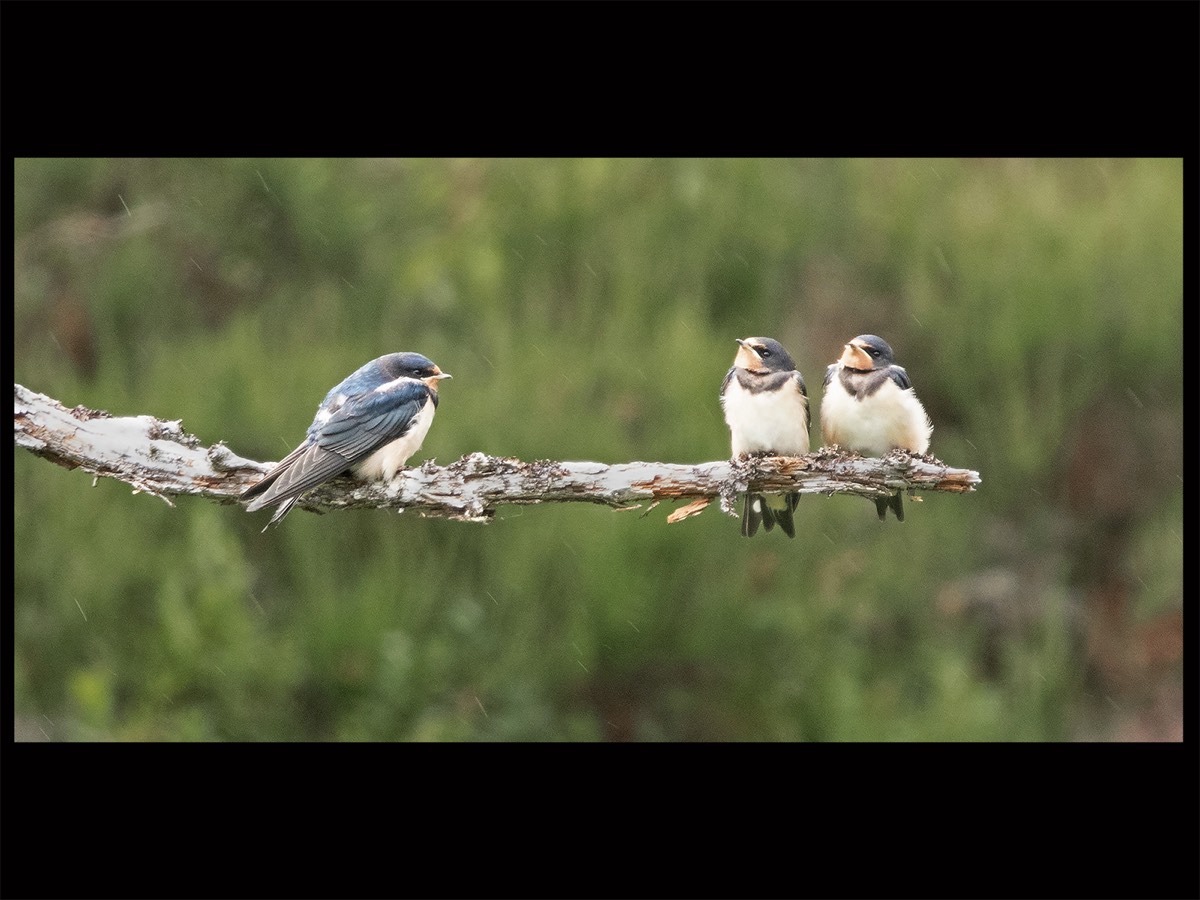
<point x="587" y="309"/>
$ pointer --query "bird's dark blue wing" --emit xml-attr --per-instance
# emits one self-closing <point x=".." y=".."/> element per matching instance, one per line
<point x="304" y="468"/>
<point x="369" y="421"/>
<point x="830" y="371"/>
<point x="262" y="488"/>
<point x="359" y="427"/>
<point x="898" y="375"/>
<point x="728" y="377"/>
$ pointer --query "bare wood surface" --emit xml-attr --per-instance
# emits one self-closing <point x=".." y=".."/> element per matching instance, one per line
<point x="158" y="457"/>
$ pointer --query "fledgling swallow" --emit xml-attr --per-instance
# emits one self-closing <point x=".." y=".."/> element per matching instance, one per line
<point x="766" y="408"/>
<point x="869" y="405"/>
<point x="369" y="424"/>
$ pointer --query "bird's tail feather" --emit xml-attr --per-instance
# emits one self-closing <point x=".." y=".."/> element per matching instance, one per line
<point x="784" y="516"/>
<point x="261" y="497"/>
<point x="894" y="502"/>
<point x="755" y="512"/>
<point x="284" y="508"/>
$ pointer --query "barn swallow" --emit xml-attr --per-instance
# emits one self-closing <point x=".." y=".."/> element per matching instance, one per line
<point x="370" y="424"/>
<point x="766" y="407"/>
<point x="869" y="406"/>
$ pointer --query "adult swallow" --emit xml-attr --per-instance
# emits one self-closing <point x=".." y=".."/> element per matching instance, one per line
<point x="369" y="424"/>
<point x="869" y="405"/>
<point x="766" y="408"/>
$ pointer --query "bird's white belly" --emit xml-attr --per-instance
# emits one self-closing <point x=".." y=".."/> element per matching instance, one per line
<point x="385" y="462"/>
<point x="774" y="421"/>
<point x="877" y="424"/>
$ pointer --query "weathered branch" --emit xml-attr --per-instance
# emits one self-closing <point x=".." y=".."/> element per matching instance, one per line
<point x="157" y="457"/>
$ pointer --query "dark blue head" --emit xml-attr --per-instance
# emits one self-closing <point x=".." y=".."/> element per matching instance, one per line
<point x="867" y="352"/>
<point x="383" y="370"/>
<point x="409" y="365"/>
<point x="763" y="354"/>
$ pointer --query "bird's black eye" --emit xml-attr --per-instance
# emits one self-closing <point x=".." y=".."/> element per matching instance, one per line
<point x="873" y="351"/>
<point x="764" y="352"/>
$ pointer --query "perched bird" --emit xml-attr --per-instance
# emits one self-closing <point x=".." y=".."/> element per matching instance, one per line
<point x="869" y="405"/>
<point x="766" y="407"/>
<point x="370" y="424"/>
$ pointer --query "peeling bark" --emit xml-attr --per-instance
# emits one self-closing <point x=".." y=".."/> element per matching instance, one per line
<point x="158" y="457"/>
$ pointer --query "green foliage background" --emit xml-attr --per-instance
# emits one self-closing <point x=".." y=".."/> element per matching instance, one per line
<point x="587" y="309"/>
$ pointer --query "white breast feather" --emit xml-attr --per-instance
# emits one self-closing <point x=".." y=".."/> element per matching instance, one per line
<point x="385" y="462"/>
<point x="768" y="420"/>
<point x="873" y="426"/>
